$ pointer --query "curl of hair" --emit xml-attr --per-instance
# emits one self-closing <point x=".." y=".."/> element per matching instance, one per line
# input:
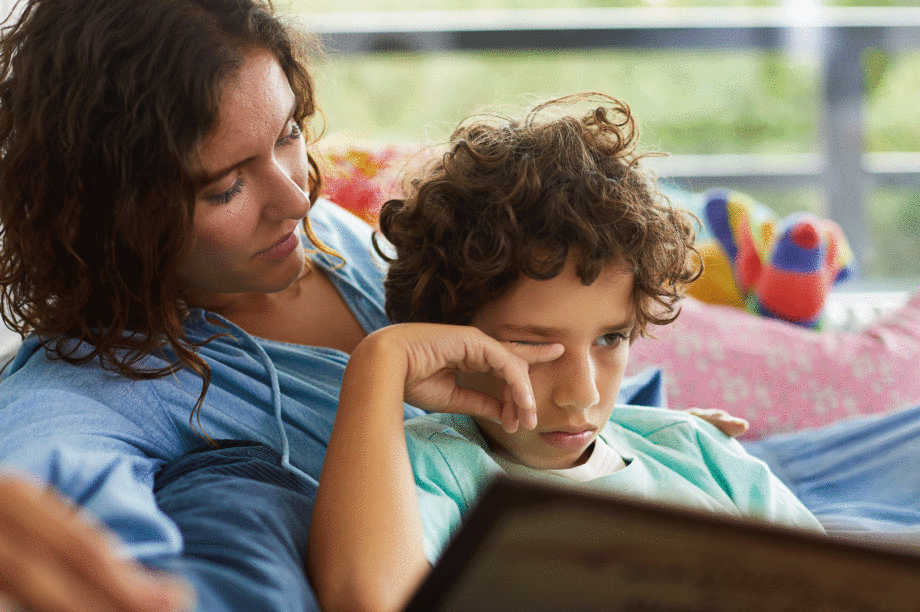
<point x="514" y="198"/>
<point x="103" y="107"/>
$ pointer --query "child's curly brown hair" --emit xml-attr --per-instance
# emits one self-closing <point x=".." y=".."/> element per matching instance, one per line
<point x="514" y="198"/>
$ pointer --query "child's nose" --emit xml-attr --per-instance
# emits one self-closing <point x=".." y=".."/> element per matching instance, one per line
<point x="576" y="383"/>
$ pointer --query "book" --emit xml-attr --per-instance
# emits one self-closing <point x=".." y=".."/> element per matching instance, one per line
<point x="534" y="547"/>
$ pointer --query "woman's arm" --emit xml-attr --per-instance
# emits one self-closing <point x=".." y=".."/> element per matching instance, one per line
<point x="366" y="545"/>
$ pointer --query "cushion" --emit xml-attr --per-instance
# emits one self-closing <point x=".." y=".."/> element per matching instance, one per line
<point x="782" y="377"/>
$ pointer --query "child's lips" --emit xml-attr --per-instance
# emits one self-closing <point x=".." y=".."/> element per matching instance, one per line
<point x="568" y="440"/>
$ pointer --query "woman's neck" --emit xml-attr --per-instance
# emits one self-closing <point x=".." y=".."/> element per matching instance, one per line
<point x="310" y="312"/>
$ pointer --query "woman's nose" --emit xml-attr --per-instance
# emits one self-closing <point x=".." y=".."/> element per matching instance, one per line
<point x="287" y="196"/>
<point x="576" y="383"/>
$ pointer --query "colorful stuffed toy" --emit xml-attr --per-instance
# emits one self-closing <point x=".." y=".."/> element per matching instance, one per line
<point x="782" y="268"/>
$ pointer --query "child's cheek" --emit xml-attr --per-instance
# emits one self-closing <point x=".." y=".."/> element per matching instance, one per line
<point x="482" y="382"/>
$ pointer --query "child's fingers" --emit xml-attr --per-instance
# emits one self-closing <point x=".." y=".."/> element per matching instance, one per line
<point x="518" y="405"/>
<point x="468" y="401"/>
<point x="536" y="353"/>
<point x="519" y="400"/>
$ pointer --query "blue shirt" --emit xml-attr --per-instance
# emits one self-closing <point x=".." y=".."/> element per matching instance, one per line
<point x="100" y="438"/>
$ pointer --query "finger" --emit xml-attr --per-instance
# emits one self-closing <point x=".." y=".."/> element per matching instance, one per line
<point x="519" y="406"/>
<point x="735" y="426"/>
<point x="47" y="579"/>
<point x="536" y="353"/>
<point x="469" y="401"/>
<point x="509" y="417"/>
<point x="507" y="366"/>
<point x="729" y="425"/>
<point x="66" y="562"/>
<point x="522" y="395"/>
<point x="41" y="583"/>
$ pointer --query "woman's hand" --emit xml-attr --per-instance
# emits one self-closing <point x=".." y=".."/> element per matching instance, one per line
<point x="53" y="558"/>
<point x="729" y="425"/>
<point x="434" y="355"/>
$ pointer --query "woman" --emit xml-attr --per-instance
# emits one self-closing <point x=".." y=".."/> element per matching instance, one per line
<point x="154" y="192"/>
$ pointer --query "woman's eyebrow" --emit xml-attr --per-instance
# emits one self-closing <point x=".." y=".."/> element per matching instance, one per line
<point x="203" y="179"/>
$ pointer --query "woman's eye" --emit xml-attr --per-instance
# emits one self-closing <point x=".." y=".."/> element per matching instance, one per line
<point x="226" y="196"/>
<point x="291" y="136"/>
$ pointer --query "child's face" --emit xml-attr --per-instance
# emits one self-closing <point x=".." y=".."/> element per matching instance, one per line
<point x="575" y="393"/>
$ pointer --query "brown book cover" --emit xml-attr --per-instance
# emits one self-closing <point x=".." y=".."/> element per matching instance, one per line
<point x="534" y="547"/>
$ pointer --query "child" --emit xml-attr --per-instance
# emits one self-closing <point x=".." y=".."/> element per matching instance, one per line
<point x="526" y="260"/>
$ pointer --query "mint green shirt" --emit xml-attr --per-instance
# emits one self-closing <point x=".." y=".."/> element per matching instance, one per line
<point x="671" y="456"/>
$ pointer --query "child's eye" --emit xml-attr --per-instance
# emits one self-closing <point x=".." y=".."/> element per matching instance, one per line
<point x="291" y="136"/>
<point x="612" y="339"/>
<point x="226" y="196"/>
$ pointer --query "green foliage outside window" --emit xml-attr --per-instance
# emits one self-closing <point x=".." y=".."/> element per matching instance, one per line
<point x="687" y="102"/>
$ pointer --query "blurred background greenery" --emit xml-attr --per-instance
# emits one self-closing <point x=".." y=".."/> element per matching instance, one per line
<point x="688" y="102"/>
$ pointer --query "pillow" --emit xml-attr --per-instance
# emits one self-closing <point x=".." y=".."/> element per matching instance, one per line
<point x="783" y="377"/>
<point x="645" y="388"/>
<point x="360" y="177"/>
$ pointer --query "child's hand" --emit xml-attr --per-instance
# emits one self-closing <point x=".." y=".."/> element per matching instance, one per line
<point x="436" y="353"/>
<point x="729" y="425"/>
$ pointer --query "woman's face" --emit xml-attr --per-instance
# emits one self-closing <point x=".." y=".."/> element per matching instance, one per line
<point x="248" y="213"/>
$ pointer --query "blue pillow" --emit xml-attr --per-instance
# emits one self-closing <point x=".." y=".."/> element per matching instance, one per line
<point x="644" y="389"/>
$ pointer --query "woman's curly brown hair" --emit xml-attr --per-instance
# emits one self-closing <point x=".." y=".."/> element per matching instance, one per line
<point x="103" y="107"/>
<point x="514" y="198"/>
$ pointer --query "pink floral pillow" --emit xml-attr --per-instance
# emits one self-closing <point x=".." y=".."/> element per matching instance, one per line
<point x="783" y="377"/>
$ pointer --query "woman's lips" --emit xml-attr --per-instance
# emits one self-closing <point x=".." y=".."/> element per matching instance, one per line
<point x="282" y="248"/>
<point x="564" y="440"/>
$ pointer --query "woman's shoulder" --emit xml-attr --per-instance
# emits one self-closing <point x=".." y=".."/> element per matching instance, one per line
<point x="360" y="271"/>
<point x="34" y="374"/>
<point x="340" y="229"/>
